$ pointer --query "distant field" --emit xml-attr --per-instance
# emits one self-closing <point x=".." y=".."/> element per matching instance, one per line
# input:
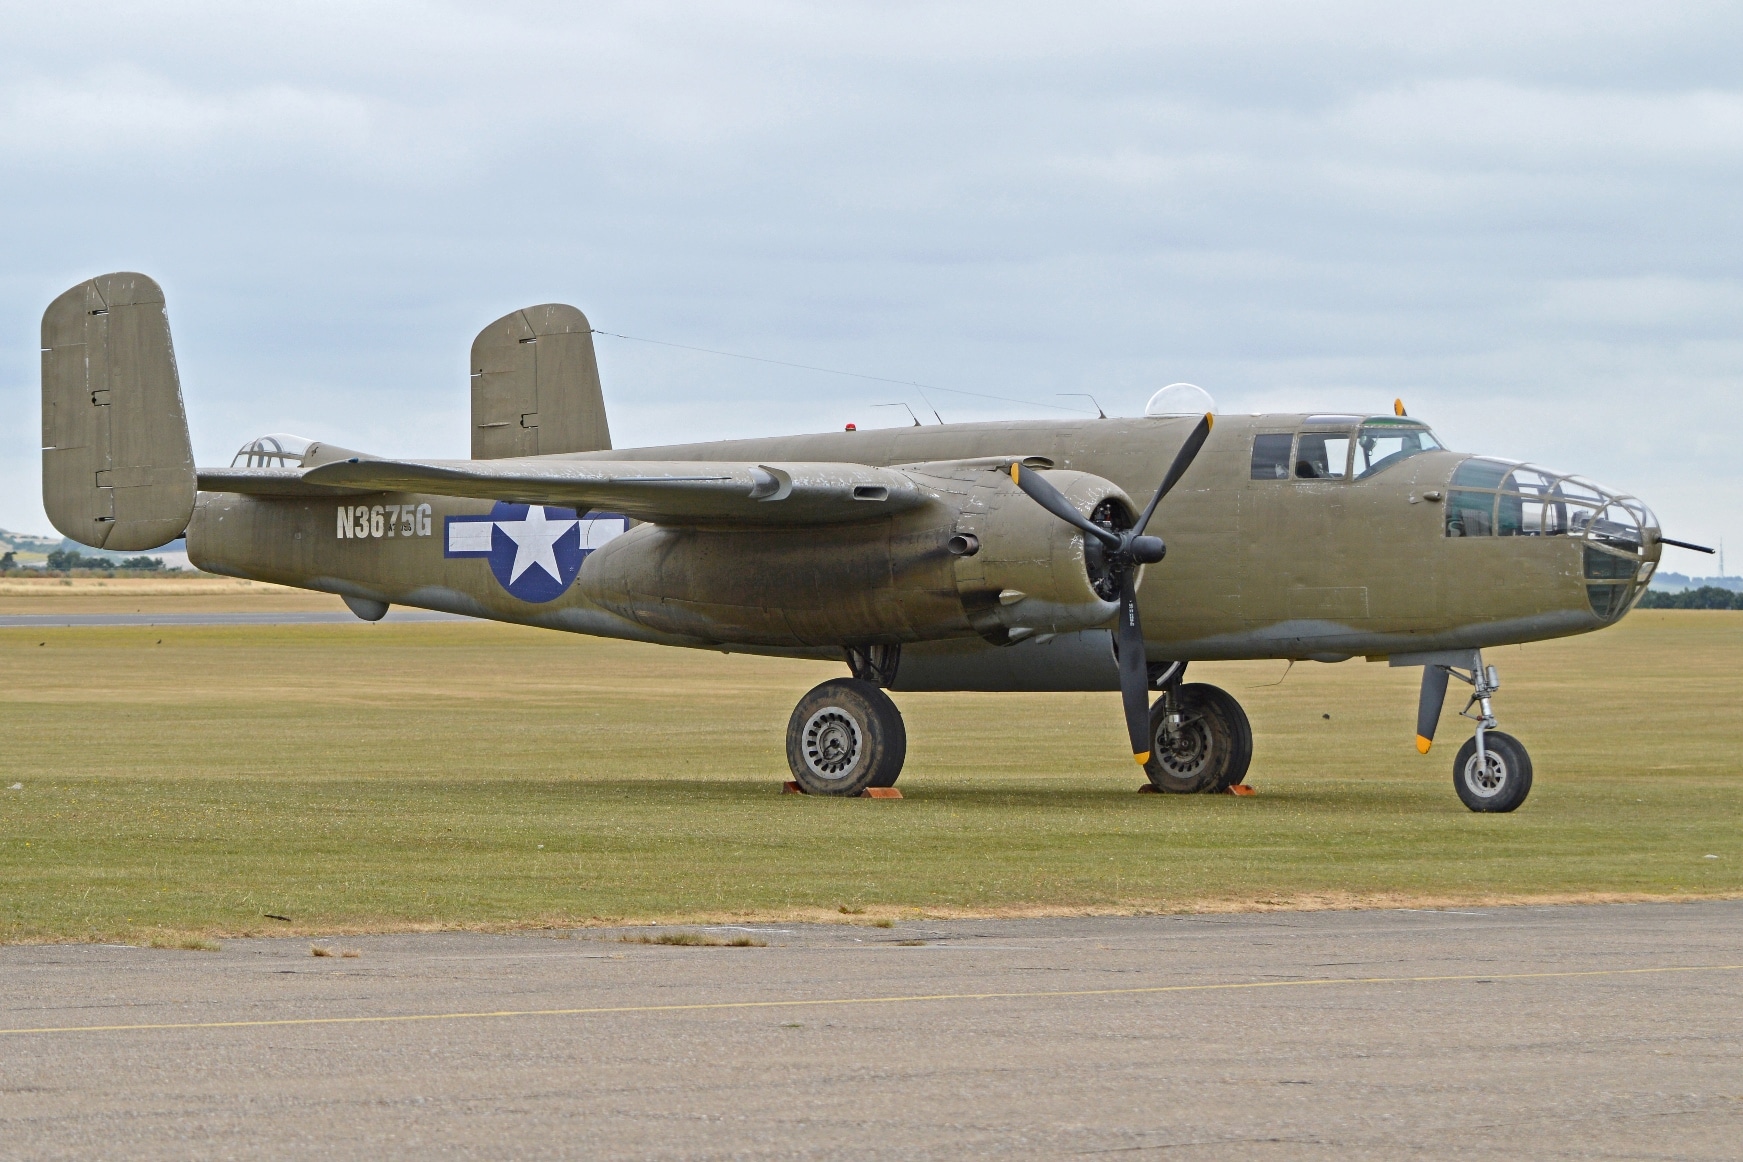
<point x="163" y="593"/>
<point x="433" y="775"/>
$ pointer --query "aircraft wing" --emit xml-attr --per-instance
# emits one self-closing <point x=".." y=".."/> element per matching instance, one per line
<point x="662" y="492"/>
<point x="268" y="482"/>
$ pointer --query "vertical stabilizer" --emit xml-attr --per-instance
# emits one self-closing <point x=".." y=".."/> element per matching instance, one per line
<point x="117" y="468"/>
<point x="535" y="386"/>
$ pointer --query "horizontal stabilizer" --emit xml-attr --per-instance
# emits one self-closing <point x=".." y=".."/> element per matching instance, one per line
<point x="662" y="492"/>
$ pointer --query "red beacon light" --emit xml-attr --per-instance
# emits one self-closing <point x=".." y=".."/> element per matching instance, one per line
<point x="852" y="428"/>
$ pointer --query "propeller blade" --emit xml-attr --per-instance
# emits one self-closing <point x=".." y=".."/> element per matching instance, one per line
<point x="1134" y="669"/>
<point x="1051" y="499"/>
<point x="1182" y="461"/>
<point x="1428" y="706"/>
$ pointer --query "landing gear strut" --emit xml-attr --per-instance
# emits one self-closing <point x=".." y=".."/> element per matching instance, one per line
<point x="1492" y="771"/>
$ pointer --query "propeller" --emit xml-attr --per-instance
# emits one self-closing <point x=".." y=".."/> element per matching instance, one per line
<point x="1428" y="706"/>
<point x="1124" y="551"/>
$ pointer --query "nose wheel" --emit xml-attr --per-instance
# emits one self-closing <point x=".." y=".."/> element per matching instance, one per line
<point x="1499" y="779"/>
<point x="1492" y="771"/>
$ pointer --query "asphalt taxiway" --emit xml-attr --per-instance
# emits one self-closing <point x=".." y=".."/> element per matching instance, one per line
<point x="1609" y="1031"/>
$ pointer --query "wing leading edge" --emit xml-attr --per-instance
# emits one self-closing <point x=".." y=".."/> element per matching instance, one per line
<point x="662" y="492"/>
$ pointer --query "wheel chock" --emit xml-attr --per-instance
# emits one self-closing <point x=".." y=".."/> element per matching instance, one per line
<point x="1242" y="790"/>
<point x="1148" y="789"/>
<point x="791" y="788"/>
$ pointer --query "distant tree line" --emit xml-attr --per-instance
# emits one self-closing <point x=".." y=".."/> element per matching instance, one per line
<point x="1706" y="597"/>
<point x="66" y="560"/>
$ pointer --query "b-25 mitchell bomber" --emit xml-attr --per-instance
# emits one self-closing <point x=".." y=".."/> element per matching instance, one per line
<point x="991" y="556"/>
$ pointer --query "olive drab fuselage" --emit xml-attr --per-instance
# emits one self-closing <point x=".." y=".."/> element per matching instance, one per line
<point x="1280" y="566"/>
<point x="1000" y="556"/>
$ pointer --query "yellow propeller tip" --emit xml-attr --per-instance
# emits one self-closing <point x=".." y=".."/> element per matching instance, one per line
<point x="1422" y="744"/>
<point x="1209" y="420"/>
<point x="1013" y="472"/>
<point x="1397" y="407"/>
<point x="1141" y="759"/>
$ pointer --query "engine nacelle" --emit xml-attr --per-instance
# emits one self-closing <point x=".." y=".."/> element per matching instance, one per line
<point x="1032" y="573"/>
<point x="981" y="559"/>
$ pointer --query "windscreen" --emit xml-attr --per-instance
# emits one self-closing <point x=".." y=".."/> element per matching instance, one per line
<point x="1382" y="443"/>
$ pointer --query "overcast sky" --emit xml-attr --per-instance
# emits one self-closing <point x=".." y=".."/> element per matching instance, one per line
<point x="1522" y="218"/>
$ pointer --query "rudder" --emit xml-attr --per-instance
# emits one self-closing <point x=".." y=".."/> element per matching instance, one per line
<point x="117" y="465"/>
<point x="535" y="386"/>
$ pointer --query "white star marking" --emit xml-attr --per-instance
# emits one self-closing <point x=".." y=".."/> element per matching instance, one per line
<point x="534" y="542"/>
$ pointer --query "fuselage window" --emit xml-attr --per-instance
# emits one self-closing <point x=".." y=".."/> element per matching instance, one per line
<point x="1531" y="506"/>
<point x="1479" y="473"/>
<point x="1382" y="443"/>
<point x="1470" y="514"/>
<point x="1271" y="455"/>
<point x="1322" y="456"/>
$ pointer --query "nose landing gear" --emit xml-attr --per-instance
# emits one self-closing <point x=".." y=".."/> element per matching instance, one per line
<point x="1492" y="771"/>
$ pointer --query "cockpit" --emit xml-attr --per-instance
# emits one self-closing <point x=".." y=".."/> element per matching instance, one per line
<point x="1486" y="497"/>
<point x="1339" y="447"/>
<point x="276" y="450"/>
<point x="1503" y="498"/>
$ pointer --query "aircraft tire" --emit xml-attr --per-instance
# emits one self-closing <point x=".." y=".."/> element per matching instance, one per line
<point x="1241" y="730"/>
<point x="1505" y="782"/>
<point x="844" y="736"/>
<point x="1216" y="743"/>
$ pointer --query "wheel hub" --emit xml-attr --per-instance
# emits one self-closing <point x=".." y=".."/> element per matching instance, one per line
<point x="832" y="743"/>
<point x="1183" y="753"/>
<point x="1486" y="774"/>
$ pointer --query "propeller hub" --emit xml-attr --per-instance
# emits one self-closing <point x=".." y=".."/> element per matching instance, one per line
<point x="1146" y="550"/>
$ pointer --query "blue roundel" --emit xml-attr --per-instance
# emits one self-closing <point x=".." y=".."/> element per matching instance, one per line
<point x="535" y="550"/>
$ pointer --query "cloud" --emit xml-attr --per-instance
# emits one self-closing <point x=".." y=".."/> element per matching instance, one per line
<point x="1520" y="216"/>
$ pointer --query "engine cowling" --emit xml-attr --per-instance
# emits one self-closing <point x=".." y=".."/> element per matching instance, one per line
<point x="979" y="559"/>
<point x="1031" y="572"/>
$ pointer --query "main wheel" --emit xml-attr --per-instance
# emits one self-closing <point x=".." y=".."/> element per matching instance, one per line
<point x="844" y="736"/>
<point x="1498" y="782"/>
<point x="1212" y="749"/>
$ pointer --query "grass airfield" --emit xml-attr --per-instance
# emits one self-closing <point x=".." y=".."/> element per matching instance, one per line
<point x="184" y="783"/>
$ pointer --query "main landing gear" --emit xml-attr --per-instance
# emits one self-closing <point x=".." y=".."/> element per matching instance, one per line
<point x="1492" y="771"/>
<point x="844" y="736"/>
<point x="1200" y="739"/>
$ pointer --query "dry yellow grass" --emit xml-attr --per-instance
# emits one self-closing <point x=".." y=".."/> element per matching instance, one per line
<point x="423" y="776"/>
<point x="189" y="593"/>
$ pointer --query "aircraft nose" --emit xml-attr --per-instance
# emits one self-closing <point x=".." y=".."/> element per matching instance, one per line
<point x="1618" y="534"/>
<point x="1621" y="548"/>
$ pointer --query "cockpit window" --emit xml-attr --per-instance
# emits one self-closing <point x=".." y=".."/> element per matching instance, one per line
<point x="1322" y="456"/>
<point x="1383" y="443"/>
<point x="1271" y="455"/>
<point x="278" y="450"/>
